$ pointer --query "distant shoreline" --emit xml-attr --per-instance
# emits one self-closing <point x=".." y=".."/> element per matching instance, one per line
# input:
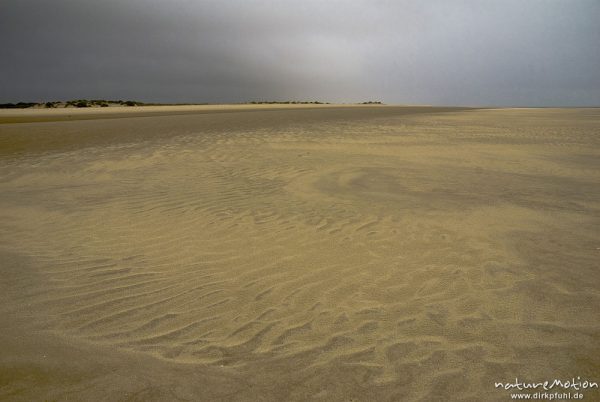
<point x="33" y="115"/>
<point x="38" y="115"/>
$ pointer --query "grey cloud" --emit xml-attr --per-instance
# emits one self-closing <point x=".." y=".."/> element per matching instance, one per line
<point x="536" y="52"/>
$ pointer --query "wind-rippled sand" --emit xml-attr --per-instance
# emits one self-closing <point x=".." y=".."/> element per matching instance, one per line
<point x="329" y="254"/>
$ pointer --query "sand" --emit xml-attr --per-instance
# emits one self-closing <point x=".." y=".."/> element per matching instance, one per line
<point x="325" y="253"/>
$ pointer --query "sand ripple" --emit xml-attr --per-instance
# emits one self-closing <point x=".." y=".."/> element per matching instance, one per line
<point x="324" y="259"/>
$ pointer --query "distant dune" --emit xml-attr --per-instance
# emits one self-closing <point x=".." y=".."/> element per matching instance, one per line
<point x="294" y="253"/>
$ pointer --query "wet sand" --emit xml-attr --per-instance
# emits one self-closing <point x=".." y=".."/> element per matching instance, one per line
<point x="327" y="253"/>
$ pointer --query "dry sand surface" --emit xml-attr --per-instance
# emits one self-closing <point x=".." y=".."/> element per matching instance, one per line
<point x="298" y="253"/>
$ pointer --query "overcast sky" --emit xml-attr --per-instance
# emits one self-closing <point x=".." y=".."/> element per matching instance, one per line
<point x="451" y="52"/>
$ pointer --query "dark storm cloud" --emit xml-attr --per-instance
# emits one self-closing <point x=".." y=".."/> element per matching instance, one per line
<point x="535" y="52"/>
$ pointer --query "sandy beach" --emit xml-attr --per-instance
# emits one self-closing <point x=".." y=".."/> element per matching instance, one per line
<point x="297" y="253"/>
